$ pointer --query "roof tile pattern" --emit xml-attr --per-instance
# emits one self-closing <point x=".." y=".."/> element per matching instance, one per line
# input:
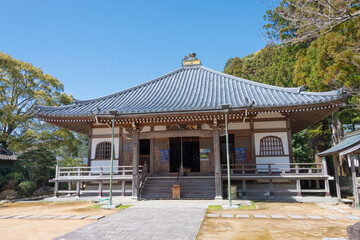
<point x="193" y="88"/>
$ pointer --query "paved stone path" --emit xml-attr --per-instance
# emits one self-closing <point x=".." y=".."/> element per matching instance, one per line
<point x="145" y="221"/>
<point x="44" y="217"/>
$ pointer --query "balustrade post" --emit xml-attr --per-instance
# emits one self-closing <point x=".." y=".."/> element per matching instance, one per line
<point x="326" y="181"/>
<point x="123" y="182"/>
<point x="354" y="183"/>
<point x="337" y="181"/>
<point x="298" y="183"/>
<point x="100" y="194"/>
<point x="78" y="188"/>
<point x="56" y="184"/>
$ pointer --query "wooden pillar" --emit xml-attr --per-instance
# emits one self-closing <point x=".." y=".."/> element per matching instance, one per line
<point x="123" y="183"/>
<point x="289" y="136"/>
<point x="69" y="188"/>
<point x="78" y="188"/>
<point x="298" y="183"/>
<point x="326" y="181"/>
<point x="337" y="182"/>
<point x="354" y="183"/>
<point x="217" y="162"/>
<point x="252" y="140"/>
<point x="244" y="188"/>
<point x="135" y="165"/>
<point x="151" y="156"/>
<point x="89" y="147"/>
<point x="121" y="147"/>
<point x="271" y="188"/>
<point x="56" y="184"/>
<point x="100" y="194"/>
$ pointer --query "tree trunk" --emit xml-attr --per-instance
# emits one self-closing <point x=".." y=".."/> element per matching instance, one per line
<point x="337" y="135"/>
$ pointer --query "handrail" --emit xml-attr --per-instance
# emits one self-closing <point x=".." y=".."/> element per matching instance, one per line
<point x="142" y="177"/>
<point x="95" y="170"/>
<point x="180" y="173"/>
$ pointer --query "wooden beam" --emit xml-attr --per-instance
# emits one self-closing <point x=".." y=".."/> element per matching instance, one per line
<point x="289" y="137"/>
<point x="326" y="181"/>
<point x="252" y="140"/>
<point x="337" y="181"/>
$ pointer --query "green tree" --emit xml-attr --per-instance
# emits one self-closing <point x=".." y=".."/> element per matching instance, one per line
<point x="22" y="86"/>
<point x="37" y="165"/>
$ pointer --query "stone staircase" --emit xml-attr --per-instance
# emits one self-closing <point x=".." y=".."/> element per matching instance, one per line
<point x="158" y="188"/>
<point x="191" y="188"/>
<point x="197" y="188"/>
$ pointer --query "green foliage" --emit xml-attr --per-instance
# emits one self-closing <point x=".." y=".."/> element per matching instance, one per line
<point x="22" y="86"/>
<point x="9" y="194"/>
<point x="17" y="177"/>
<point x="71" y="162"/>
<point x="37" y="165"/>
<point x="27" y="188"/>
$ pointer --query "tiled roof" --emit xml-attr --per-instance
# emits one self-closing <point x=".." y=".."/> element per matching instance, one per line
<point x="8" y="157"/>
<point x="193" y="88"/>
<point x="347" y="142"/>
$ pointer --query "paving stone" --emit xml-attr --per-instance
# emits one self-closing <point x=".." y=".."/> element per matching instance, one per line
<point x="352" y="217"/>
<point x="96" y="217"/>
<point x="334" y="218"/>
<point x="64" y="217"/>
<point x="20" y="216"/>
<point x="7" y="216"/>
<point x="242" y="216"/>
<point x="260" y="216"/>
<point x="49" y="216"/>
<point x="314" y="217"/>
<point x="227" y="215"/>
<point x="277" y="216"/>
<point x="295" y="216"/>
<point x="79" y="217"/>
<point x="33" y="216"/>
<point x="213" y="215"/>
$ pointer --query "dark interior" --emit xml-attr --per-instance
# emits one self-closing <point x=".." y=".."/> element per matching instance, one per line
<point x="223" y="148"/>
<point x="191" y="154"/>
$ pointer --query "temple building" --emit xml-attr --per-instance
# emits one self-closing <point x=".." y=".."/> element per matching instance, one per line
<point x="174" y="125"/>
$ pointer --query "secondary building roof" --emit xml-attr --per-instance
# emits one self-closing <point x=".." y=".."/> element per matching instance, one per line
<point x="349" y="144"/>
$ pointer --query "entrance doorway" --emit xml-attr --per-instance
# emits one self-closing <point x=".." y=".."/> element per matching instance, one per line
<point x="144" y="153"/>
<point x="191" y="154"/>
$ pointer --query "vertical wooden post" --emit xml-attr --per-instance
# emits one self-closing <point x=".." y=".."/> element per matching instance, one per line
<point x="123" y="182"/>
<point x="326" y="181"/>
<point x="217" y="161"/>
<point x="151" y="156"/>
<point x="354" y="183"/>
<point x="56" y="184"/>
<point x="337" y="181"/>
<point x="100" y="194"/>
<point x="298" y="183"/>
<point x="271" y="187"/>
<point x="252" y="140"/>
<point x="121" y="148"/>
<point x="69" y="188"/>
<point x="135" y="165"/>
<point x="288" y="127"/>
<point x="78" y="188"/>
<point x="243" y="181"/>
<point x="89" y="147"/>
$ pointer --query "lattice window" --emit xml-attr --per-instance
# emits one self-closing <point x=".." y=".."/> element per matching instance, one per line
<point x="103" y="150"/>
<point x="271" y="146"/>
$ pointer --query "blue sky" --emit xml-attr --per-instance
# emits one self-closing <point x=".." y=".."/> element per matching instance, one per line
<point x="99" y="47"/>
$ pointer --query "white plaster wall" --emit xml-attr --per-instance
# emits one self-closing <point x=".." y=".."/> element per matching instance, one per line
<point x="270" y="124"/>
<point x="282" y="135"/>
<point x="159" y="128"/>
<point x="103" y="163"/>
<point x="276" y="168"/>
<point x="269" y="115"/>
<point x="95" y="141"/>
<point x="107" y="130"/>
<point x="239" y="126"/>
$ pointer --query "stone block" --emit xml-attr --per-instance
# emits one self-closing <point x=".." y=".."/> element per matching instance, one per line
<point x="353" y="231"/>
<point x="352" y="217"/>
<point x="277" y="216"/>
<point x="213" y="215"/>
<point x="334" y="218"/>
<point x="260" y="216"/>
<point x="96" y="217"/>
<point x="295" y="216"/>
<point x="315" y="217"/>
<point x="242" y="216"/>
<point x="79" y="217"/>
<point x="227" y="215"/>
<point x="64" y="217"/>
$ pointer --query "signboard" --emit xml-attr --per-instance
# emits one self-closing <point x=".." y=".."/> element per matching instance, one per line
<point x="240" y="155"/>
<point x="164" y="156"/>
<point x="190" y="126"/>
<point x="204" y="154"/>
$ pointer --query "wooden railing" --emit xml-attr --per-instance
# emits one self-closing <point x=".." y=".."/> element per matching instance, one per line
<point x="95" y="171"/>
<point x="142" y="177"/>
<point x="276" y="169"/>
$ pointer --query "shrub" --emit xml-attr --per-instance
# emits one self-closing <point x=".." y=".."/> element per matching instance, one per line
<point x="9" y="186"/>
<point x="27" y="188"/>
<point x="17" y="177"/>
<point x="45" y="190"/>
<point x="9" y="194"/>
